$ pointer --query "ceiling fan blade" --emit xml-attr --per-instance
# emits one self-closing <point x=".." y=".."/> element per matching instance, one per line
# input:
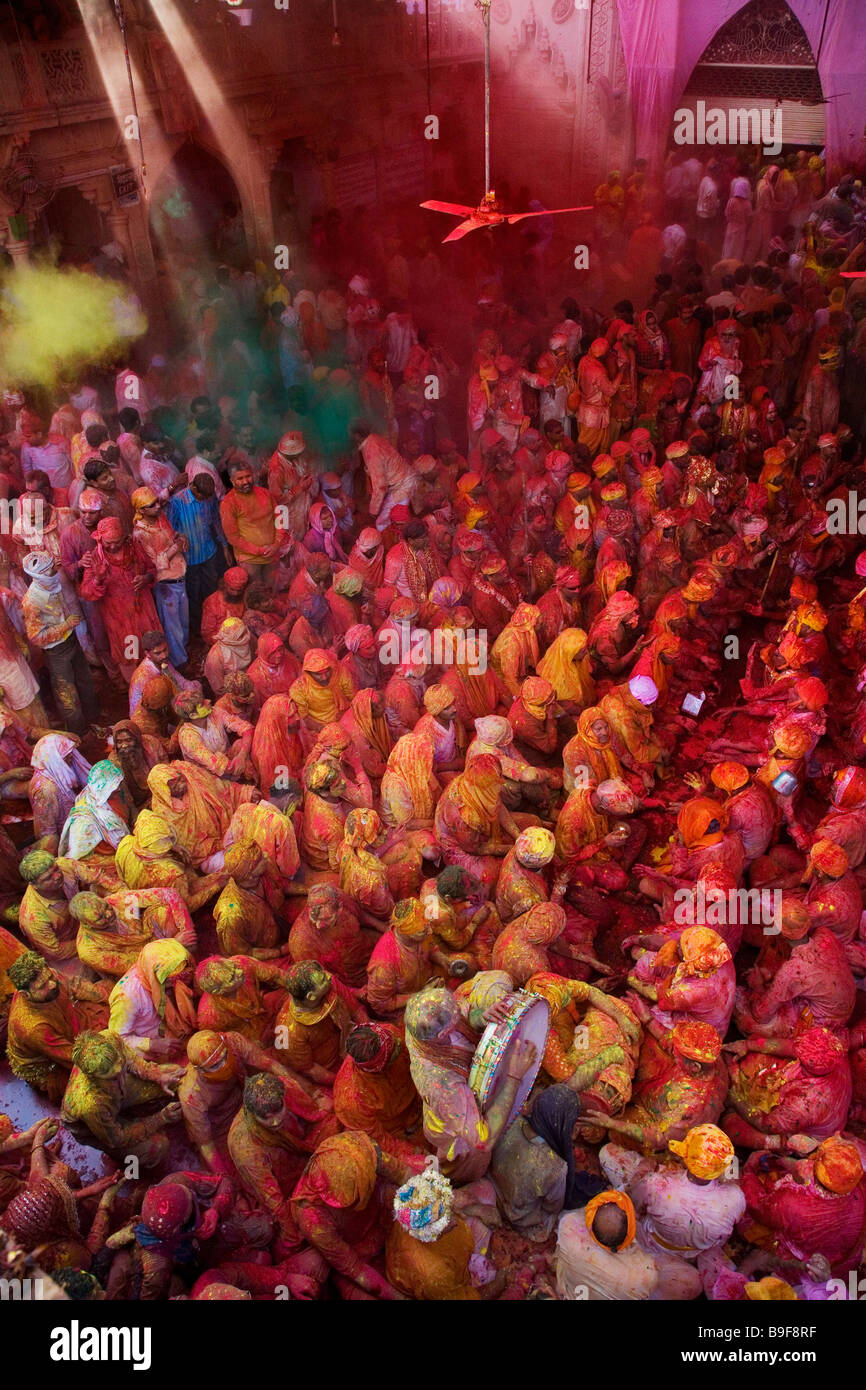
<point x="463" y="229"/>
<point x="545" y="212"/>
<point x="457" y="208"/>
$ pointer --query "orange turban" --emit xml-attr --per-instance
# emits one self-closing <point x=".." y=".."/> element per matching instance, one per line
<point x="694" y="818"/>
<point x="829" y="858"/>
<point x="791" y="739"/>
<point x="837" y="1165"/>
<point x="536" y="695"/>
<point x="699" y="1041"/>
<point x="729" y="777"/>
<point x="409" y="919"/>
<point x="702" y="951"/>
<point x="706" y="1151"/>
<point x="619" y="1199"/>
<point x="437" y="698"/>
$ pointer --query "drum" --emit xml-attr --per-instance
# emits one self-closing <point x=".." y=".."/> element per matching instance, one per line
<point x="528" y="1018"/>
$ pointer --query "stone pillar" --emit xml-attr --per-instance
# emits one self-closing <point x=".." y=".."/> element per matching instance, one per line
<point x="17" y="240"/>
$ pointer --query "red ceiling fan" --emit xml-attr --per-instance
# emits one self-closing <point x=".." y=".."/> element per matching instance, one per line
<point x="488" y="213"/>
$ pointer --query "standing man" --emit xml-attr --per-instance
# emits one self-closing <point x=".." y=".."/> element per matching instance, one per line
<point x="77" y="541"/>
<point x="194" y="513"/>
<point x="166" y="549"/>
<point x="390" y="476"/>
<point x="50" y="623"/>
<point x="247" y="516"/>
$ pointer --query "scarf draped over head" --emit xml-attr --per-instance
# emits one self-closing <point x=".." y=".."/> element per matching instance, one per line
<point x="111" y="529"/>
<point x="411" y="762"/>
<point x="477" y="791"/>
<point x="327" y="538"/>
<point x="341" y="1173"/>
<point x="202" y="819"/>
<point x="694" y="818"/>
<point x="373" y="728"/>
<point x="446" y="593"/>
<point x="553" y="1116"/>
<point x="537" y="696"/>
<point x="92" y="819"/>
<point x="56" y="758"/>
<point x="37" y="565"/>
<point x="158" y="963"/>
<point x="370" y="567"/>
<point x="571" y="680"/>
<point x="601" y="758"/>
<point x="234" y="645"/>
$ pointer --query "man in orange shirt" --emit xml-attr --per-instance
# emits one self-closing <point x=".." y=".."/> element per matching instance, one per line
<point x="248" y="520"/>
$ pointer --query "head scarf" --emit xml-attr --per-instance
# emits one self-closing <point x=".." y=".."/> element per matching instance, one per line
<point x="56" y="758"/>
<point x="341" y="1173"/>
<point x="819" y="1051"/>
<point x="703" y="952"/>
<point x="570" y="679"/>
<point x="601" y="759"/>
<point x="158" y="963"/>
<point x="537" y="695"/>
<point x="828" y="858"/>
<point x="373" y="728"/>
<point x="849" y="788"/>
<point x="111" y="529"/>
<point x="445" y="593"/>
<point x="327" y="539"/>
<point x="729" y="776"/>
<point x="553" y="1115"/>
<point x="357" y="636"/>
<point x="409" y="919"/>
<point x="37" y="565"/>
<point x="535" y="847"/>
<point x="141" y="498"/>
<point x="838" y="1166"/>
<point x="437" y="698"/>
<point x="235" y="580"/>
<point x="706" y="1151"/>
<point x="411" y="762"/>
<point x="699" y="1041"/>
<point x="91" y="819"/>
<point x="234" y="645"/>
<point x="694" y="818"/>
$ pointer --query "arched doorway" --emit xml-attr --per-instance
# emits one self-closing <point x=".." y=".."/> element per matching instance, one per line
<point x="70" y="226"/>
<point x="761" y="58"/>
<point x="195" y="208"/>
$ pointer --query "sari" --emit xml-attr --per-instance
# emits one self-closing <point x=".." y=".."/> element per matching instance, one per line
<point x="145" y="860"/>
<point x="262" y="825"/>
<point x="59" y="775"/>
<point x="162" y="913"/>
<point x="379" y="1097"/>
<point x="467" y="815"/>
<point x="571" y="680"/>
<point x="367" y="558"/>
<point x="199" y="821"/>
<point x="369" y="733"/>
<point x="232" y="651"/>
<point x="409" y="786"/>
<point x="274" y="669"/>
<point x="519" y="948"/>
<point x="244" y="924"/>
<point x="322" y="704"/>
<point x="278" y="743"/>
<point x="514" y="654"/>
<point x="140" y="1006"/>
<point x="579" y="826"/>
<point x="598" y="760"/>
<point x="94" y="829"/>
<point x="363" y="875"/>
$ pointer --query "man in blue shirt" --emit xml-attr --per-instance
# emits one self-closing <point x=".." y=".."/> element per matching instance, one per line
<point x="194" y="513"/>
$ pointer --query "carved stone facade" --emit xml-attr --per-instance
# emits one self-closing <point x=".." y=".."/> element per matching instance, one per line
<point x="355" y="110"/>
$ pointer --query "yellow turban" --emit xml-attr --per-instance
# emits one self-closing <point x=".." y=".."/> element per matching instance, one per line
<point x="706" y="1151"/>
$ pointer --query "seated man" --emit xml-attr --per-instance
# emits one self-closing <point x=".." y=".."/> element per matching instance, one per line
<point x="46" y="1015"/>
<point x="108" y="1078"/>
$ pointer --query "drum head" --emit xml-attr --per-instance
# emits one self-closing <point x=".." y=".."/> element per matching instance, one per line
<point x="529" y="1020"/>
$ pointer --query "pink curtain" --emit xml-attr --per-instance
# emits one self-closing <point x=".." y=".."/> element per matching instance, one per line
<point x="664" y="39"/>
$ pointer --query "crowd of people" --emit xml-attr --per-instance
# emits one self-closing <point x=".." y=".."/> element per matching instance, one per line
<point x="409" y="654"/>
